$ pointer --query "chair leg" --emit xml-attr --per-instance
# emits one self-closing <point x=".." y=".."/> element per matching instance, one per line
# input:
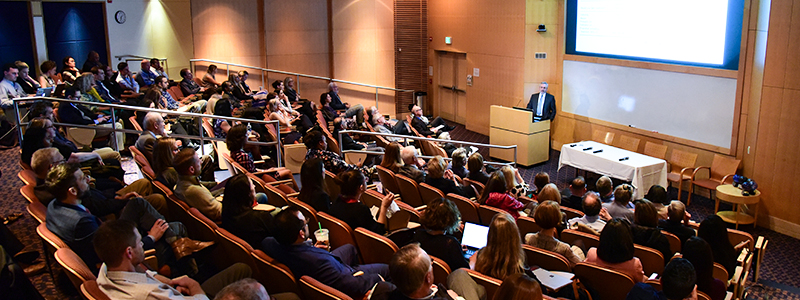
<point x="47" y="259"/>
<point x="680" y="189"/>
<point x="691" y="191"/>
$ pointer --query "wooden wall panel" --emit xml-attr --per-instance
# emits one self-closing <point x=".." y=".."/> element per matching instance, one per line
<point x="792" y="77"/>
<point x="227" y="31"/>
<point x="777" y="50"/>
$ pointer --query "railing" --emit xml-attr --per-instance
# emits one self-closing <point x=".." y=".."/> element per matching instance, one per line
<point x="265" y="72"/>
<point x="201" y="129"/>
<point x="133" y="57"/>
<point x="407" y="138"/>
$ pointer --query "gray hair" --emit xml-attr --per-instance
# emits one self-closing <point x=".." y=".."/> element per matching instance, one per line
<point x="151" y="119"/>
<point x="408" y="152"/>
<point x="245" y="289"/>
<point x="545" y="83"/>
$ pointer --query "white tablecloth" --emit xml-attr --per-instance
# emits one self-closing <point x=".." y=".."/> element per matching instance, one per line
<point x="641" y="170"/>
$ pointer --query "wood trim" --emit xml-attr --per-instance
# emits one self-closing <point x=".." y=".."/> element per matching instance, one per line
<point x="656" y="66"/>
<point x="36" y="63"/>
<point x="331" y="73"/>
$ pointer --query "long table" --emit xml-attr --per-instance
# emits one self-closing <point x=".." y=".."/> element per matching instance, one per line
<point x="641" y="170"/>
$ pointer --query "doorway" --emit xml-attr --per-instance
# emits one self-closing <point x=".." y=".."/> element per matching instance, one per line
<point x="452" y="93"/>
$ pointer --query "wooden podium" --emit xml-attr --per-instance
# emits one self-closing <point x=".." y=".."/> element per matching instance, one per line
<point x="509" y="126"/>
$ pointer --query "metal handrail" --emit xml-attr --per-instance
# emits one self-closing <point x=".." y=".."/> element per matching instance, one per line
<point x="511" y="163"/>
<point x="201" y="137"/>
<point x="130" y="57"/>
<point x="297" y="76"/>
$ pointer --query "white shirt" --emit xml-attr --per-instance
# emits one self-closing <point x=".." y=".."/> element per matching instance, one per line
<point x="9" y="91"/>
<point x="593" y="222"/>
<point x="134" y="285"/>
<point x="540" y="104"/>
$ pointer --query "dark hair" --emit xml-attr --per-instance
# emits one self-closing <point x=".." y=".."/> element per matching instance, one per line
<point x="698" y="252"/>
<point x="96" y="69"/>
<point x="540" y="180"/>
<point x="475" y="162"/>
<point x="211" y="68"/>
<point x="276" y="84"/>
<point x="154" y="60"/>
<point x="312" y="175"/>
<point x="237" y="197"/>
<point x="39" y="107"/>
<point x="47" y="66"/>
<point x="162" y="154"/>
<point x="159" y="79"/>
<point x="112" y="238"/>
<point x="594" y="208"/>
<point x="70" y="92"/>
<point x="237" y="137"/>
<point x="244" y="289"/>
<point x="287" y="224"/>
<point x="313" y="138"/>
<point x="350" y="182"/>
<point x="183" y="160"/>
<point x="152" y="95"/>
<point x="578" y="182"/>
<point x="645" y="214"/>
<point x="61" y="178"/>
<point x="184" y="71"/>
<point x="253" y="113"/>
<point x="411" y="107"/>
<point x="495" y="184"/>
<point x="657" y="194"/>
<point x="122" y="65"/>
<point x="616" y="242"/>
<point x="323" y="99"/>
<point x="65" y="61"/>
<point x="34" y="139"/>
<point x="714" y="231"/>
<point x="441" y="214"/>
<point x="623" y="194"/>
<point x="518" y="287"/>
<point x="223" y="108"/>
<point x="678" y="279"/>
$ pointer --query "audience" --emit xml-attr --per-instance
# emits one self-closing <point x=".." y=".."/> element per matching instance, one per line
<point x="210" y="79"/>
<point x="620" y="207"/>
<point x="658" y="196"/>
<point x="495" y="194"/>
<point x="714" y="231"/>
<point x="188" y="86"/>
<point x="591" y="218"/>
<point x="514" y="182"/>
<point x="125" y="78"/>
<point x="503" y="255"/>
<point x="348" y="206"/>
<point x="250" y="289"/>
<point x="316" y="144"/>
<point x="645" y="230"/>
<point x="444" y="180"/>
<point x="572" y="196"/>
<point x="337" y="104"/>
<point x="44" y="109"/>
<point x="191" y="190"/>
<point x="28" y="84"/>
<point x="73" y="113"/>
<point x="548" y="216"/>
<point x="477" y="171"/>
<point x="518" y="287"/>
<point x="238" y="215"/>
<point x="48" y="77"/>
<point x="412" y="165"/>
<point x="440" y="222"/>
<point x="698" y="252"/>
<point x="459" y="163"/>
<point x="615" y="251"/>
<point x="290" y="246"/>
<point x="605" y="189"/>
<point x="674" y="224"/>
<point x="314" y="192"/>
<point x="677" y="283"/>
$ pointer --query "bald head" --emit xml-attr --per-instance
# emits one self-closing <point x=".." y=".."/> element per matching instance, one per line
<point x="591" y="204"/>
<point x="153" y="122"/>
<point x="409" y="155"/>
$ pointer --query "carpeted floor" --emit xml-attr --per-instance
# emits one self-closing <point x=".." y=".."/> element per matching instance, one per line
<point x="779" y="270"/>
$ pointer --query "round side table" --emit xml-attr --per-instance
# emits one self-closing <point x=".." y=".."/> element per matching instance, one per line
<point x="728" y="193"/>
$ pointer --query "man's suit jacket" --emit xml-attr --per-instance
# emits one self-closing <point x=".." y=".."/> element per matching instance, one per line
<point x="336" y="102"/>
<point x="145" y="145"/>
<point x="549" y="108"/>
<point x="76" y="114"/>
<point x="421" y="127"/>
<point x="76" y="227"/>
<point x="321" y="265"/>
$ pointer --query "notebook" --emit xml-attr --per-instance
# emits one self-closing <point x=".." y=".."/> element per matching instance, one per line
<point x="474" y="238"/>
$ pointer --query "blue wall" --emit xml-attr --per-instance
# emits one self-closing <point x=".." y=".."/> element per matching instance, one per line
<point x="74" y="29"/>
<point x="15" y="34"/>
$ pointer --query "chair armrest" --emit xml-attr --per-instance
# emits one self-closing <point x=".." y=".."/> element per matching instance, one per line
<point x="279" y="182"/>
<point x="421" y="208"/>
<point x="737" y="274"/>
<point x="293" y="194"/>
<point x="726" y="178"/>
<point x="686" y="171"/>
<point x="694" y="174"/>
<point x="372" y="187"/>
<point x="258" y="162"/>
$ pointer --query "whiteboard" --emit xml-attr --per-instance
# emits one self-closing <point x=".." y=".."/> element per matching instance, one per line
<point x="694" y="107"/>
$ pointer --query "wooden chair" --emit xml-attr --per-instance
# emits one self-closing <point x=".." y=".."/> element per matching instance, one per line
<point x="77" y="271"/>
<point x="376" y="248"/>
<point x="545" y="259"/>
<point x="440" y="270"/>
<point x="386" y="177"/>
<point x="721" y="273"/>
<point x="409" y="191"/>
<point x="50" y="244"/>
<point x="27" y="192"/>
<point x="487" y="213"/>
<point x="760" y="248"/>
<point x="722" y="168"/>
<point x="429" y="193"/>
<point x="27" y="176"/>
<point x="571" y="235"/>
<point x="603" y="137"/>
<point x="92" y="291"/>
<point x="652" y="260"/>
<point x="201" y="227"/>
<point x="135" y="123"/>
<point x="655" y="150"/>
<point x="340" y="233"/>
<point x="275" y="276"/>
<point x="628" y="143"/>
<point x="38" y="211"/>
<point x="333" y="189"/>
<point x="468" y="209"/>
<point x="702" y="296"/>
<point x="737" y="236"/>
<point x="527" y="225"/>
<point x="315" y="290"/>
<point x="681" y="164"/>
<point x="608" y="284"/>
<point x="741" y="274"/>
<point x="476" y="185"/>
<point x="571" y="212"/>
<point x="309" y="212"/>
<point x="176" y="92"/>
<point x="674" y="242"/>
<point x="491" y="284"/>
<point x="231" y="249"/>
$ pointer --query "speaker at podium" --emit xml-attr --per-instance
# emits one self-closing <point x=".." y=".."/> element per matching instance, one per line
<point x="518" y="126"/>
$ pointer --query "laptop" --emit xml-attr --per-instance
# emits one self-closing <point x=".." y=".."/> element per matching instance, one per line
<point x="44" y="92"/>
<point x="474" y="238"/>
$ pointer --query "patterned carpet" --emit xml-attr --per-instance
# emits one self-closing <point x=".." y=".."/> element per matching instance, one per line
<point x="778" y="279"/>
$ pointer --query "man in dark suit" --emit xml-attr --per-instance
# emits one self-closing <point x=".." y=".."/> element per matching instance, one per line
<point x="543" y="104"/>
<point x="335" y="269"/>
<point x="425" y="127"/>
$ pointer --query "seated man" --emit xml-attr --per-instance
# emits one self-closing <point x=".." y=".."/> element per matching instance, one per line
<point x="125" y="78"/>
<point x="412" y="165"/>
<point x="157" y="69"/>
<point x="337" y="269"/>
<point x="413" y="269"/>
<point x="591" y="218"/>
<point x="337" y="104"/>
<point x="425" y="128"/>
<point x="571" y="196"/>
<point x="73" y="113"/>
<point x="167" y="102"/>
<point x="119" y="245"/>
<point x="606" y="189"/>
<point x="146" y="77"/>
<point x="190" y="189"/>
<point x="620" y="207"/>
<point x="458" y="164"/>
<point x="44" y="109"/>
<point x="250" y="289"/>
<point x="99" y="73"/>
<point x="73" y="222"/>
<point x="678" y="283"/>
<point x="188" y="86"/>
<point x="677" y="213"/>
<point x="10" y="90"/>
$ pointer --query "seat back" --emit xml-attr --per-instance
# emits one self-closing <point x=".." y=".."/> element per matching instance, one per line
<point x="527" y="225"/>
<point x="208" y="127"/>
<point x="655" y="150"/>
<point x="476" y="185"/>
<point x="375" y="247"/>
<point x="413" y="215"/>
<point x="603" y="137"/>
<point x="468" y="209"/>
<point x="163" y="188"/>
<point x="276" y="277"/>
<point x="722" y="166"/>
<point x="179" y="210"/>
<point x="431" y="149"/>
<point x="309" y="212"/>
<point x="77" y="271"/>
<point x="571" y="212"/>
<point x="571" y="235"/>
<point x="38" y="211"/>
<point x="333" y="189"/>
<point x="386" y="177"/>
<point x="545" y="259"/>
<point x="628" y="143"/>
<point x="201" y="227"/>
<point x="315" y="290"/>
<point x="487" y="213"/>
<point x="135" y="123"/>
<point x="491" y="284"/>
<point x="409" y="191"/>
<point x="702" y="296"/>
<point x="440" y="270"/>
<point x="27" y="192"/>
<point x="339" y="232"/>
<point x="608" y="284"/>
<point x="27" y="176"/>
<point x="92" y="291"/>
<point x="143" y="163"/>
<point x="674" y="242"/>
<point x="232" y="249"/>
<point x="276" y="196"/>
<point x="652" y="260"/>
<point x="429" y="193"/>
<point x="681" y="159"/>
<point x="371" y="198"/>
<point x="176" y="92"/>
<point x="233" y="166"/>
<point x="738" y="236"/>
<point x="721" y="273"/>
<point x="51" y="238"/>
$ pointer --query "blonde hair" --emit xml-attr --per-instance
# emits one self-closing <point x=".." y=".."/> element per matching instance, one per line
<point x="436" y="167"/>
<point x="549" y="192"/>
<point x="42" y="159"/>
<point x="503" y="255"/>
<point x="508" y="173"/>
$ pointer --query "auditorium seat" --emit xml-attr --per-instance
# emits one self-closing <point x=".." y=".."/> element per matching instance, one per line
<point x="231" y="249"/>
<point x="607" y="283"/>
<point x="681" y="164"/>
<point x="38" y="211"/>
<point x="569" y="236"/>
<point x="428" y="193"/>
<point x="309" y="212"/>
<point x="545" y="259"/>
<point x="571" y="212"/>
<point x="491" y="284"/>
<point x="440" y="270"/>
<point x="77" y="271"/>
<point x="387" y="178"/>
<point x="674" y="242"/>
<point x="339" y="232"/>
<point x="409" y="191"/>
<point x="527" y="225"/>
<point x="92" y="291"/>
<point x="276" y="277"/>
<point x="27" y="176"/>
<point x="376" y="248"/>
<point x="487" y="213"/>
<point x="468" y="208"/>
<point x="315" y="290"/>
<point x="652" y="260"/>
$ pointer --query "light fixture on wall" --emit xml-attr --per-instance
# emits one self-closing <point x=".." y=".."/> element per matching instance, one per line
<point x="541" y="28"/>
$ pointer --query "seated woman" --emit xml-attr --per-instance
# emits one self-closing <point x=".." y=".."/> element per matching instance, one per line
<point x="263" y="134"/>
<point x="69" y="72"/>
<point x="392" y="159"/>
<point x="714" y="231"/>
<point x="439" y="222"/>
<point x="645" y="230"/>
<point x="163" y="153"/>
<point x="698" y="252"/>
<point x="539" y="181"/>
<point x="237" y="144"/>
<point x="549" y="192"/>
<point x="444" y="180"/>
<point x="313" y="192"/>
<point x="548" y="216"/>
<point x="459" y="163"/>
<point x="316" y="144"/>
<point x="221" y="126"/>
<point x="288" y="134"/>
<point x="519" y="287"/>
<point x="495" y="194"/>
<point x="514" y="182"/>
<point x="210" y="79"/>
<point x="658" y="196"/>
<point x="348" y="206"/>
<point x="615" y="251"/>
<point x="477" y="171"/>
<point x="238" y="215"/>
<point x="503" y="255"/>
<point x="48" y="77"/>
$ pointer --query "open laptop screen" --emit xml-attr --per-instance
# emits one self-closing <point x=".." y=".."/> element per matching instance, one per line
<point x="475" y="235"/>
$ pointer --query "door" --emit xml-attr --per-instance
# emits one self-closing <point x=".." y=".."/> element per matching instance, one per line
<point x="452" y="92"/>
